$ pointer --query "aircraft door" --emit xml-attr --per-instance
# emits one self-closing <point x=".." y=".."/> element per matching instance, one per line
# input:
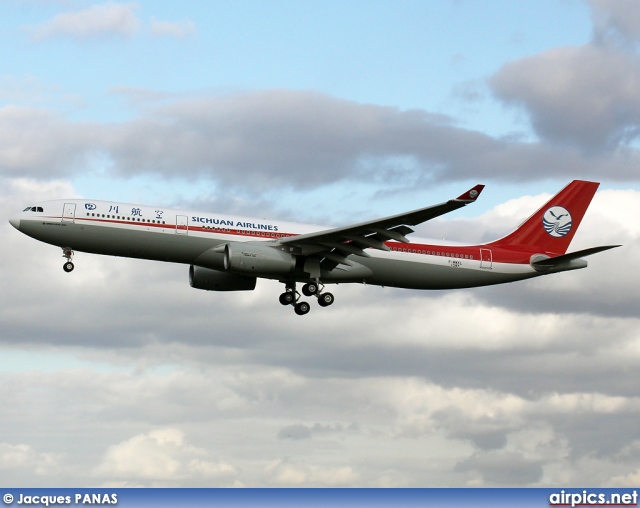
<point x="69" y="212"/>
<point x="182" y="225"/>
<point x="485" y="259"/>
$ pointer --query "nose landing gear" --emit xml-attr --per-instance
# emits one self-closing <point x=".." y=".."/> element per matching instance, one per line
<point x="292" y="297"/>
<point x="68" y="254"/>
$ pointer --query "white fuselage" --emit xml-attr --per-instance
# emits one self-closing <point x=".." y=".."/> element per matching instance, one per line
<point x="163" y="234"/>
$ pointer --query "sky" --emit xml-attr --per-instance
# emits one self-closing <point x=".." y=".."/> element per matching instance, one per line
<point x="120" y="374"/>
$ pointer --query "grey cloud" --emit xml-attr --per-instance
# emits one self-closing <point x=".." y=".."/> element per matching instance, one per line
<point x="40" y="143"/>
<point x="584" y="96"/>
<point x="586" y="438"/>
<point x="502" y="468"/>
<point x="487" y="433"/>
<point x="281" y="138"/>
<point x="615" y="22"/>
<point x="307" y="139"/>
<point x="298" y="431"/>
<point x="295" y="432"/>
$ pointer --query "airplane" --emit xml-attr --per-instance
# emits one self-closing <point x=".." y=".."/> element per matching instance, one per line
<point x="229" y="253"/>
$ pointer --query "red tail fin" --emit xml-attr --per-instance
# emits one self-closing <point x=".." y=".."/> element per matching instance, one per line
<point x="552" y="227"/>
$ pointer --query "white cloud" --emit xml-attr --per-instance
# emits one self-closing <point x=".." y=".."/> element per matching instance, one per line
<point x="107" y="20"/>
<point x="285" y="473"/>
<point x="162" y="456"/>
<point x="99" y="21"/>
<point x="178" y="29"/>
<point x="23" y="458"/>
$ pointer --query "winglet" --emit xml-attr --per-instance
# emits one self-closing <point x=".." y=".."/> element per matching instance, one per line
<point x="472" y="194"/>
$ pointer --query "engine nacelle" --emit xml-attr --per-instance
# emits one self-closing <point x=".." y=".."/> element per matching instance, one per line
<point x="215" y="280"/>
<point x="255" y="259"/>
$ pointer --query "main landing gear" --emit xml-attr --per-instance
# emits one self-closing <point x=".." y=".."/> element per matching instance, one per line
<point x="68" y="254"/>
<point x="292" y="297"/>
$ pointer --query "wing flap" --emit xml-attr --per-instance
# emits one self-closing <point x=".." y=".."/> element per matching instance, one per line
<point x="347" y="248"/>
<point x="396" y="233"/>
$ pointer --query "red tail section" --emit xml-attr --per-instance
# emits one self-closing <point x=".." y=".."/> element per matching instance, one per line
<point x="552" y="227"/>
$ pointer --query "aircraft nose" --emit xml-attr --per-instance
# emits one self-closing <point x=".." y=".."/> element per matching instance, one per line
<point x="15" y="222"/>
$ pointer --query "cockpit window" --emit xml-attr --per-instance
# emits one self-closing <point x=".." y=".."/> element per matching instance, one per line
<point x="33" y="209"/>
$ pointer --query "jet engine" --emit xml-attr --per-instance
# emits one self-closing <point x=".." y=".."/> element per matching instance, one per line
<point x="254" y="258"/>
<point x="215" y="280"/>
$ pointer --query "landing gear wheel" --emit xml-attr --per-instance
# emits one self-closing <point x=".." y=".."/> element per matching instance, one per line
<point x="287" y="298"/>
<point x="302" y="308"/>
<point x="310" y="289"/>
<point x="67" y="253"/>
<point x="325" y="299"/>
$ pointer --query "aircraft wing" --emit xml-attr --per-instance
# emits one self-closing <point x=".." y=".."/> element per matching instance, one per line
<point x="336" y="244"/>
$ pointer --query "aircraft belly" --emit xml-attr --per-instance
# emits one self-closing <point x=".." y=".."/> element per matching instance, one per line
<point x="404" y="273"/>
<point x="144" y="243"/>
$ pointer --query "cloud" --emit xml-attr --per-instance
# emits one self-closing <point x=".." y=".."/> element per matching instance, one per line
<point x="99" y="21"/>
<point x="178" y="29"/>
<point x="586" y="96"/>
<point x="39" y="142"/>
<point x="299" y="431"/>
<point x="23" y="458"/>
<point x="105" y="21"/>
<point x="502" y="468"/>
<point x="615" y="22"/>
<point x="582" y="96"/>
<point x="286" y="473"/>
<point x="268" y="140"/>
<point x="161" y="455"/>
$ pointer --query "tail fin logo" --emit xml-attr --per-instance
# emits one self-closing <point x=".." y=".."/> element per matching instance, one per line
<point x="557" y="221"/>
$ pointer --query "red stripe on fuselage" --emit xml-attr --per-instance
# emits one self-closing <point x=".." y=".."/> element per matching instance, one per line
<point x="470" y="252"/>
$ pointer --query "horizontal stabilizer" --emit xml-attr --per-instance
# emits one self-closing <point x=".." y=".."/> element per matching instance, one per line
<point x="546" y="263"/>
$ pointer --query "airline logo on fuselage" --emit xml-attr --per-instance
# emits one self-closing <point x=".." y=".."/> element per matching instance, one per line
<point x="238" y="224"/>
<point x="557" y="221"/>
